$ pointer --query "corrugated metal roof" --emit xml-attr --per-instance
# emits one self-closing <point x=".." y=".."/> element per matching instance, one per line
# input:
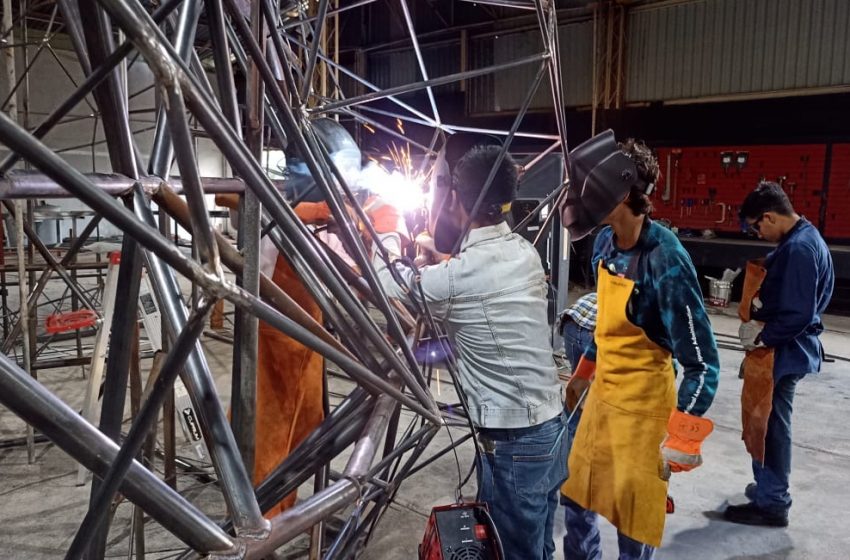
<point x="708" y="48"/>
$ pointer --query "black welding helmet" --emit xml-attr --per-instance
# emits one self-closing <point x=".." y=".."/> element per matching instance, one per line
<point x="601" y="177"/>
<point x="445" y="223"/>
<point x="342" y="149"/>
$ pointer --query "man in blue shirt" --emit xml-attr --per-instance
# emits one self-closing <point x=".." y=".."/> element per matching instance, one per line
<point x="785" y="322"/>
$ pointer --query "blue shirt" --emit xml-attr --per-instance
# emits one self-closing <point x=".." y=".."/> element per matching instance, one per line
<point x="794" y="295"/>
<point x="668" y="305"/>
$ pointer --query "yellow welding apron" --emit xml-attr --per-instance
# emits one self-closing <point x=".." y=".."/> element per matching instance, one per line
<point x="757" y="393"/>
<point x="615" y="462"/>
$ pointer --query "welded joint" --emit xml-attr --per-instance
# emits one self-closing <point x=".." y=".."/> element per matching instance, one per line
<point x="260" y="533"/>
<point x="159" y="60"/>
<point x="358" y="481"/>
<point x="238" y="552"/>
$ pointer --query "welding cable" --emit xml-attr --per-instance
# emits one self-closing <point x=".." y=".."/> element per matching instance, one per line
<point x="425" y="312"/>
<point x="464" y="403"/>
<point x="578" y="404"/>
<point x="492" y="523"/>
<point x="460" y="480"/>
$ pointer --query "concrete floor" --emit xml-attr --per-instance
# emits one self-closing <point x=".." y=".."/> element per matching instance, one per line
<point x="40" y="507"/>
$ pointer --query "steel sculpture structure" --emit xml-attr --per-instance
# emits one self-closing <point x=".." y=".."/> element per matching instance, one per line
<point x="279" y="49"/>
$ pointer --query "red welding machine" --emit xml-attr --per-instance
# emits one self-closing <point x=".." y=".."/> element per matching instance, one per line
<point x="460" y="532"/>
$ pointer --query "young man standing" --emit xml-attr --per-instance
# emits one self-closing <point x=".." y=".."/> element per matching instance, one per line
<point x="781" y="308"/>
<point x="491" y="297"/>
<point x="635" y="427"/>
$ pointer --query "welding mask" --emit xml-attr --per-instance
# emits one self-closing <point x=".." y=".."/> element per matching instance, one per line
<point x="343" y="151"/>
<point x="446" y="220"/>
<point x="601" y="177"/>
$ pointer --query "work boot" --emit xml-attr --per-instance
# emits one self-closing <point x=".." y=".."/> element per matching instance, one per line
<point x="750" y="514"/>
<point x="750" y="491"/>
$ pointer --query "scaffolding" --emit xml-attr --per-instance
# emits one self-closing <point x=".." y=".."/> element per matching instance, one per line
<point x="288" y="53"/>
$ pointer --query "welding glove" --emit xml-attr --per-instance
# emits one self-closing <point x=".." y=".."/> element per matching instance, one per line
<point x="385" y="217"/>
<point x="579" y="382"/>
<point x="313" y="212"/>
<point x="750" y="334"/>
<point x="307" y="212"/>
<point x="426" y="251"/>
<point x="681" y="449"/>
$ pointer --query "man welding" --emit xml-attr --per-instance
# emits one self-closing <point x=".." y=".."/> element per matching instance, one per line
<point x="491" y="297"/>
<point x="290" y="386"/>
<point x="635" y="427"/>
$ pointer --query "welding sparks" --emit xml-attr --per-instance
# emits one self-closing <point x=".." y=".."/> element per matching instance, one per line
<point x="369" y="128"/>
<point x="400" y="184"/>
<point x="400" y="126"/>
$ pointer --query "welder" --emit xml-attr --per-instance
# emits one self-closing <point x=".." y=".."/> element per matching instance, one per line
<point x="491" y="298"/>
<point x="289" y="375"/>
<point x="634" y="429"/>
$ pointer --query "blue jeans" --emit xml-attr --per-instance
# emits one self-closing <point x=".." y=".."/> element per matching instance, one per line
<point x="582" y="541"/>
<point x="519" y="475"/>
<point x="772" y="477"/>
<point x="576" y="340"/>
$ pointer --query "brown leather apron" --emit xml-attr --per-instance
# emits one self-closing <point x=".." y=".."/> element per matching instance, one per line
<point x="757" y="393"/>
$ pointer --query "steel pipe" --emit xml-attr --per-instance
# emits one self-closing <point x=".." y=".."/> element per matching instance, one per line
<point x="69" y="431"/>
<point x="32" y="184"/>
<point x="145" y="418"/>
<point x="441" y="81"/>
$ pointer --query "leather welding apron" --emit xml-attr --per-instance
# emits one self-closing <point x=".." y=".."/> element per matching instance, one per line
<point x="757" y="393"/>
<point x="615" y="462"/>
<point x="289" y="387"/>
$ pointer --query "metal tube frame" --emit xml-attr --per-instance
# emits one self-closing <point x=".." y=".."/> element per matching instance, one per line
<point x="387" y="374"/>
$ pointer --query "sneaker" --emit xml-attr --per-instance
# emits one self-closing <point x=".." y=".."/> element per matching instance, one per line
<point x="750" y="491"/>
<point x="749" y="514"/>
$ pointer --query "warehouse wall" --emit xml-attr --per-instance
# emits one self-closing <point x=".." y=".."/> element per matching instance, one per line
<point x="676" y="51"/>
<point x="506" y="90"/>
<point x="50" y="84"/>
<point x="836" y="224"/>
<point x="702" y="48"/>
<point x="699" y="187"/>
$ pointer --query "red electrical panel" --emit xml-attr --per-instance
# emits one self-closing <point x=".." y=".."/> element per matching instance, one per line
<point x="703" y="187"/>
<point x="836" y="222"/>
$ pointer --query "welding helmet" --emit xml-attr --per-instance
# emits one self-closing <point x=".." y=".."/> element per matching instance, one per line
<point x="601" y="177"/>
<point x="446" y="223"/>
<point x="342" y="149"/>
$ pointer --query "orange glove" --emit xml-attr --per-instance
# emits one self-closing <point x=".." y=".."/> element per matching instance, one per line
<point x="580" y="382"/>
<point x="313" y="212"/>
<point x="308" y="212"/>
<point x="385" y="217"/>
<point x="681" y="449"/>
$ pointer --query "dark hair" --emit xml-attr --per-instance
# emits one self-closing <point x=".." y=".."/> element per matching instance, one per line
<point x="471" y="173"/>
<point x="648" y="171"/>
<point x="767" y="197"/>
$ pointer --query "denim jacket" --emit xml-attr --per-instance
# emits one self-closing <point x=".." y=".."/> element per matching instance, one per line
<point x="491" y="298"/>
